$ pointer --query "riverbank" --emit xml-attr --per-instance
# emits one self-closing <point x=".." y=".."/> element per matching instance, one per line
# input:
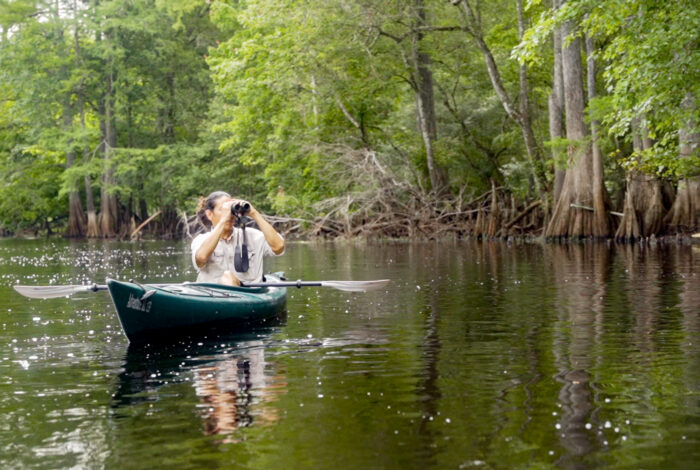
<point x="310" y="237"/>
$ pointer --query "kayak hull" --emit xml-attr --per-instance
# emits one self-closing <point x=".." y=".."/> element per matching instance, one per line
<point x="149" y="312"/>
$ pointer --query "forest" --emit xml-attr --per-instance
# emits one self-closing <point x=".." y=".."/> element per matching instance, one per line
<point x="561" y="119"/>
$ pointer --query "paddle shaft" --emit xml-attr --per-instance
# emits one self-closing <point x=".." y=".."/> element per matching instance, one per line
<point x="299" y="283"/>
<point x="51" y="292"/>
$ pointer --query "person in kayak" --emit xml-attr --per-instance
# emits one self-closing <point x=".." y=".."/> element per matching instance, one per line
<point x="213" y="251"/>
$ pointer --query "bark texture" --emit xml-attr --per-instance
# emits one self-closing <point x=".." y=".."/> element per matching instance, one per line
<point x="494" y="224"/>
<point x="425" y="98"/>
<point x="578" y="184"/>
<point x="685" y="212"/>
<point x="644" y="203"/>
<point x="556" y="112"/>
<point x="108" y="218"/>
<point x="601" y="227"/>
<point x="92" y="227"/>
<point x="76" y="216"/>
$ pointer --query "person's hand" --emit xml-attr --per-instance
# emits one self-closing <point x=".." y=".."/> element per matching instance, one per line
<point x="252" y="212"/>
<point x="226" y="207"/>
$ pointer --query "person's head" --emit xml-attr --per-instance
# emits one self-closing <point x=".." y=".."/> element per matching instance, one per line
<point x="209" y="209"/>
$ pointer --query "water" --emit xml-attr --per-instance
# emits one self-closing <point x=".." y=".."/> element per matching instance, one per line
<point x="476" y="356"/>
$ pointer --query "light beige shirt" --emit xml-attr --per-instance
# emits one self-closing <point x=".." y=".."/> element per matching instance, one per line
<point x="221" y="258"/>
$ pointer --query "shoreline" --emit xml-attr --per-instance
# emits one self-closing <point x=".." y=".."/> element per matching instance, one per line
<point x="677" y="239"/>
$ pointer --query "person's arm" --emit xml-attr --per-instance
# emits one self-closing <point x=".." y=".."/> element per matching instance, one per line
<point x="209" y="244"/>
<point x="272" y="238"/>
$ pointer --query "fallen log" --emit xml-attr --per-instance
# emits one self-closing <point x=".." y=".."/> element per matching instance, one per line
<point x="525" y="212"/>
<point x="138" y="229"/>
<point x="588" y="208"/>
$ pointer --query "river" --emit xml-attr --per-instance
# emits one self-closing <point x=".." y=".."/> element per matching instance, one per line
<point x="477" y="355"/>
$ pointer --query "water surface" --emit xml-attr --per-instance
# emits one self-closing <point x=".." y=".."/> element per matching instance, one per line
<point x="476" y="355"/>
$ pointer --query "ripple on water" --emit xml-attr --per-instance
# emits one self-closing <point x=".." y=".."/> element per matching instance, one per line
<point x="476" y="355"/>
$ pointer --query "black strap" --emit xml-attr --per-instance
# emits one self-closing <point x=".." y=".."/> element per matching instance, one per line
<point x="240" y="255"/>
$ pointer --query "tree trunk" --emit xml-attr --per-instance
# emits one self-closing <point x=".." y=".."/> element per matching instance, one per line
<point x="142" y="210"/>
<point x="685" y="212"/>
<point x="526" y="121"/>
<point x="92" y="226"/>
<point x="425" y="99"/>
<point x="92" y="229"/>
<point x="578" y="188"/>
<point x="76" y="216"/>
<point x="601" y="227"/>
<point x="472" y="19"/>
<point x="169" y="113"/>
<point x="556" y="113"/>
<point x="494" y="223"/>
<point x="168" y="222"/>
<point x="108" y="218"/>
<point x="643" y="208"/>
<point x="480" y="226"/>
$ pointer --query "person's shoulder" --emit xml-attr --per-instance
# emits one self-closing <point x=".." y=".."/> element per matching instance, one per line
<point x="200" y="235"/>
<point x="198" y="238"/>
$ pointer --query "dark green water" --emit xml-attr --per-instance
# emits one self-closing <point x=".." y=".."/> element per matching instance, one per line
<point x="477" y="355"/>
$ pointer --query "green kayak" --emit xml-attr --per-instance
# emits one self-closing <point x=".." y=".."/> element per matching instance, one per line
<point x="147" y="310"/>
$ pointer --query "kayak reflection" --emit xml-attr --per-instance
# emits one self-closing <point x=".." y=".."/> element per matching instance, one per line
<point x="234" y="384"/>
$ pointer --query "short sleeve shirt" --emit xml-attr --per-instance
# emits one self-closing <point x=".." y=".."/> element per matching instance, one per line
<point x="221" y="258"/>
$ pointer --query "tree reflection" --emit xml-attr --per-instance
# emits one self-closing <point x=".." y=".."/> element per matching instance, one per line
<point x="581" y="273"/>
<point x="687" y="260"/>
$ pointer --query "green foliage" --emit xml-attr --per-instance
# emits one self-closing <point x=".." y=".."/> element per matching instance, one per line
<point x="281" y="101"/>
<point x="29" y="196"/>
<point x="54" y="67"/>
<point x="304" y="83"/>
<point x="652" y="64"/>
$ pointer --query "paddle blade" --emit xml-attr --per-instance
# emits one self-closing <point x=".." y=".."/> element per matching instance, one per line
<point x="50" y="292"/>
<point x="356" y="286"/>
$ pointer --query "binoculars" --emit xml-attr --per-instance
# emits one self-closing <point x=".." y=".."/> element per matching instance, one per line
<point x="240" y="209"/>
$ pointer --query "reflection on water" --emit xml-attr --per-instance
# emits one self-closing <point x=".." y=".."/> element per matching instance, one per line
<point x="578" y="328"/>
<point x="234" y="384"/>
<point x="478" y="355"/>
<point x="237" y="392"/>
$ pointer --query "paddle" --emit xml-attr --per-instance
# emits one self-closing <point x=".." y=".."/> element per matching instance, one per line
<point x="52" y="292"/>
<point x="347" y="286"/>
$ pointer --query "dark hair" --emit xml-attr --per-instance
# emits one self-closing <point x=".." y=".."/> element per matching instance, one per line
<point x="208" y="203"/>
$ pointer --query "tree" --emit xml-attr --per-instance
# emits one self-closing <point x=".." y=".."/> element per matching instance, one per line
<point x="579" y="187"/>
<point x="643" y="210"/>
<point x="601" y="226"/>
<point x="472" y="24"/>
<point x="555" y="104"/>
<point x="653" y="58"/>
<point x="685" y="212"/>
